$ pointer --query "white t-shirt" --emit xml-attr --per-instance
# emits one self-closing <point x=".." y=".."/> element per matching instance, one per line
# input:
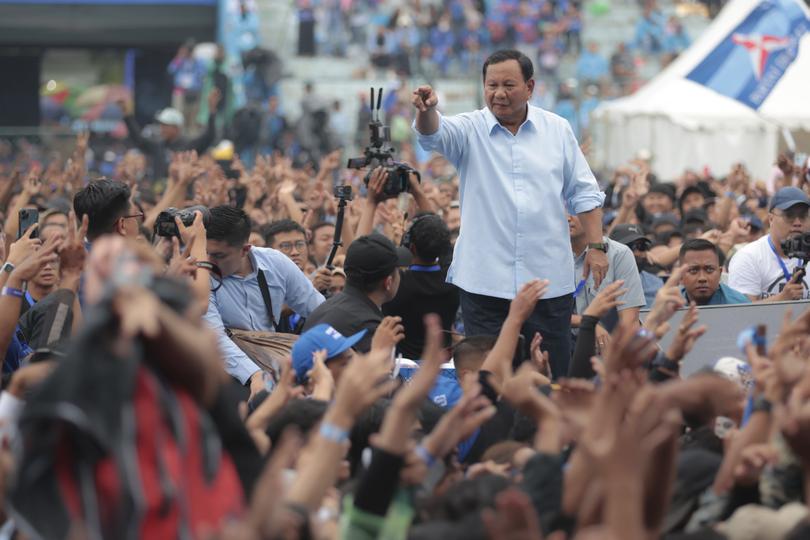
<point x="755" y="270"/>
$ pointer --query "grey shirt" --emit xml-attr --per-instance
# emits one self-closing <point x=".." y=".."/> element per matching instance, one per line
<point x="621" y="265"/>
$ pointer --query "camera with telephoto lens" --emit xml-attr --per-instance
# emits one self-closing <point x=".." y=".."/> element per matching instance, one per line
<point x="797" y="247"/>
<point x="166" y="226"/>
<point x="379" y="153"/>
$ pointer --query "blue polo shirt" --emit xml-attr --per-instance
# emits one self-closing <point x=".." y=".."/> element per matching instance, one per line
<point x="722" y="296"/>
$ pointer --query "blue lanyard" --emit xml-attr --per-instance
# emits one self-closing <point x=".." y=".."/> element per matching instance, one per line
<point x="29" y="299"/>
<point x="580" y="286"/>
<point x="785" y="271"/>
<point x="420" y="268"/>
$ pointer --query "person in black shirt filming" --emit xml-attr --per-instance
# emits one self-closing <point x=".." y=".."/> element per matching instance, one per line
<point x="423" y="288"/>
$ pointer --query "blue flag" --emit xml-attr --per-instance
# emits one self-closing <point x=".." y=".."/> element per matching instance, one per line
<point x="750" y="60"/>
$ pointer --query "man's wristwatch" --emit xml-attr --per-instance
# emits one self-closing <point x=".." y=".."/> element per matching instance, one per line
<point x="601" y="246"/>
<point x="7" y="267"/>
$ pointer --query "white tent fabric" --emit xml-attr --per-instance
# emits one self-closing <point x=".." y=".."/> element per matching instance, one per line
<point x="686" y="125"/>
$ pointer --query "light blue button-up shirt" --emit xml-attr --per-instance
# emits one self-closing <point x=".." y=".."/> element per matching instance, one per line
<point x="239" y="304"/>
<point x="515" y="190"/>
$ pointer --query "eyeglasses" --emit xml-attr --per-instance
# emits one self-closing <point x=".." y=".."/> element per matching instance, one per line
<point x="792" y="214"/>
<point x="140" y="216"/>
<point x="286" y="247"/>
<point x="695" y="270"/>
<point x="640" y="246"/>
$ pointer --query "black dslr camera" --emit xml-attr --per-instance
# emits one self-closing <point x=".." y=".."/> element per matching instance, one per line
<point x="380" y="153"/>
<point x="165" y="225"/>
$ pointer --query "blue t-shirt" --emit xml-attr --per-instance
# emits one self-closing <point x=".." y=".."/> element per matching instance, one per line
<point x="17" y="350"/>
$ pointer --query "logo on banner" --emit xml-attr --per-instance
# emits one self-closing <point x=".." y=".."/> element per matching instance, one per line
<point x="748" y="63"/>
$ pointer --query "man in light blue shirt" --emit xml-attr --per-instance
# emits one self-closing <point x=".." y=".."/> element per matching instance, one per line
<point x="592" y="67"/>
<point x="521" y="169"/>
<point x="239" y="303"/>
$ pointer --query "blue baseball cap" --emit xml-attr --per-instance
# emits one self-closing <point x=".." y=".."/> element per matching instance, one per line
<point x="322" y="336"/>
<point x="788" y="197"/>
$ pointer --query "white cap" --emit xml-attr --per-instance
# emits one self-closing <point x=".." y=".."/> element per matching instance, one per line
<point x="170" y="117"/>
<point x="736" y="371"/>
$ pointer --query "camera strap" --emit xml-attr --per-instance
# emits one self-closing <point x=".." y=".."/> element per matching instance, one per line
<point x="782" y="265"/>
<point x="268" y="302"/>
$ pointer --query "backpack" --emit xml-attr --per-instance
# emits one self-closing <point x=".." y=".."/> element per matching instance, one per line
<point x="108" y="443"/>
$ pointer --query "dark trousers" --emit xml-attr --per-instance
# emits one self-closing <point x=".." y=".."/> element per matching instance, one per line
<point x="484" y="315"/>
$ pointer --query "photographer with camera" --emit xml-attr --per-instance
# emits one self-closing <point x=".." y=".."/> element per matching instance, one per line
<point x="772" y="269"/>
<point x="256" y="283"/>
<point x="520" y="167"/>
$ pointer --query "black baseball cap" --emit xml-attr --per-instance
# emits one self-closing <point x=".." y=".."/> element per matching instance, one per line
<point x="689" y="190"/>
<point x="663" y="189"/>
<point x="374" y="257"/>
<point x="627" y="233"/>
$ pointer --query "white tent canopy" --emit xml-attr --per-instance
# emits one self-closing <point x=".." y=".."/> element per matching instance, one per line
<point x="686" y="125"/>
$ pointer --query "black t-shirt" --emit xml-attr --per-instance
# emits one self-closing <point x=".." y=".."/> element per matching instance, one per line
<point x="420" y="293"/>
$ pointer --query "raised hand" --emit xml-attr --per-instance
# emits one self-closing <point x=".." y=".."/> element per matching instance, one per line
<point x="629" y="348"/>
<point x="457" y="424"/>
<point x="686" y="336"/>
<point x="539" y="358"/>
<point x="72" y="253"/>
<point x="194" y="231"/>
<point x="524" y="303"/>
<point x="365" y="380"/>
<point x="30" y="266"/>
<point x="424" y="98"/>
<point x="389" y="332"/>
<point x="322" y="279"/>
<point x="24" y="247"/>
<point x="323" y="384"/>
<point x="607" y="299"/>
<point x="375" y="185"/>
<point x="182" y="264"/>
<point x="668" y="300"/>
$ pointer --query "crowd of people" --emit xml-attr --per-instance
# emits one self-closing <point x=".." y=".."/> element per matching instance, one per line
<point x="196" y="347"/>
<point x="429" y="41"/>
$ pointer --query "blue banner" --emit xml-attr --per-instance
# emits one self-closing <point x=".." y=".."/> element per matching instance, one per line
<point x="750" y="60"/>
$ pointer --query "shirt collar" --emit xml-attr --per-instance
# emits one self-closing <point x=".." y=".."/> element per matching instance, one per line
<point x="492" y="122"/>
<point x="252" y="257"/>
<point x="717" y="298"/>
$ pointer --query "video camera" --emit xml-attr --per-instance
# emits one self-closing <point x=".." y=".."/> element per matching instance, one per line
<point x="797" y="246"/>
<point x="380" y="153"/>
<point x="166" y="226"/>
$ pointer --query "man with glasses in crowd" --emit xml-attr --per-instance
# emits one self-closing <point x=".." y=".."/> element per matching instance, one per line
<point x="700" y="282"/>
<point x="632" y="236"/>
<point x="290" y="238"/>
<point x="760" y="270"/>
<point x="108" y="208"/>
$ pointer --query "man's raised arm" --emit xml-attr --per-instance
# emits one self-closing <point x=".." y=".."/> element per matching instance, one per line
<point x="425" y="101"/>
